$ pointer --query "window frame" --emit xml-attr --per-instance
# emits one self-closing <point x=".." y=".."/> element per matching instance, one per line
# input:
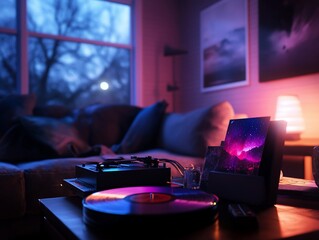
<point x="22" y="35"/>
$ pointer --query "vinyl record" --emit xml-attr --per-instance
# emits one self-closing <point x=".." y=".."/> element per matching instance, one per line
<point x="149" y="206"/>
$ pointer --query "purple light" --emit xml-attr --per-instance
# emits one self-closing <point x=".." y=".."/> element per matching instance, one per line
<point x="244" y="144"/>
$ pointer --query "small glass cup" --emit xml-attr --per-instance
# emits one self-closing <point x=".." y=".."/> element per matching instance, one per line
<point x="192" y="177"/>
<point x="315" y="164"/>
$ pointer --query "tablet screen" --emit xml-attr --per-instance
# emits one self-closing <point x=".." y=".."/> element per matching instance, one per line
<point x="243" y="146"/>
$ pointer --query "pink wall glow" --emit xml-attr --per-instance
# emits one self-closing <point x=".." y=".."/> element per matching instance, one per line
<point x="177" y="23"/>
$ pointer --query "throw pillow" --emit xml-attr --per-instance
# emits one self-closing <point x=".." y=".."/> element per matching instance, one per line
<point x="13" y="106"/>
<point x="144" y="130"/>
<point x="190" y="133"/>
<point x="16" y="146"/>
<point x="54" y="133"/>
<point x="105" y="124"/>
<point x="33" y="138"/>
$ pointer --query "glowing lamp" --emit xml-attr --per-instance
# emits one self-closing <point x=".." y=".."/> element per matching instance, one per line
<point x="289" y="109"/>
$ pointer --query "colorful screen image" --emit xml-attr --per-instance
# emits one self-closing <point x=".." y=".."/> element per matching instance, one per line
<point x="244" y="144"/>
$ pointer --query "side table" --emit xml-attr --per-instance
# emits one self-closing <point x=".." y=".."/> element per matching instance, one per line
<point x="303" y="147"/>
<point x="63" y="220"/>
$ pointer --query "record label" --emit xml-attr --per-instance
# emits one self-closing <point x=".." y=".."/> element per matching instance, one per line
<point x="150" y="197"/>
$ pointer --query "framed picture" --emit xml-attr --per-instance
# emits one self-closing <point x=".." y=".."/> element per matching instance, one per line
<point x="223" y="40"/>
<point x="288" y="36"/>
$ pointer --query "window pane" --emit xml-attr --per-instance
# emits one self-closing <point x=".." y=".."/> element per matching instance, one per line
<point x="8" y="14"/>
<point x="71" y="73"/>
<point x="88" y="19"/>
<point x="8" y="65"/>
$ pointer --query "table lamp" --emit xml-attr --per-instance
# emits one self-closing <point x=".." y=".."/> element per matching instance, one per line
<point x="289" y="109"/>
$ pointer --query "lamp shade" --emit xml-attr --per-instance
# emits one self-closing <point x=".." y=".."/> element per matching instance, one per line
<point x="289" y="109"/>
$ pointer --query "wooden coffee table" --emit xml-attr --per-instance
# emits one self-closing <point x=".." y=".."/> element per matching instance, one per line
<point x="63" y="220"/>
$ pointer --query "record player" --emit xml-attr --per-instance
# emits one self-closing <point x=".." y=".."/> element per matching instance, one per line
<point x="121" y="172"/>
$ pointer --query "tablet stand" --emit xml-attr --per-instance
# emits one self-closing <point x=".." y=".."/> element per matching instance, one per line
<point x="258" y="190"/>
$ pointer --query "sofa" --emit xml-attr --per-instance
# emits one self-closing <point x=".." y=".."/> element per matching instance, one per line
<point x="40" y="145"/>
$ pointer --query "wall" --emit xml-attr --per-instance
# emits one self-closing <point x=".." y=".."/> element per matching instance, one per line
<point x="257" y="98"/>
<point x="161" y="26"/>
<point x="176" y="22"/>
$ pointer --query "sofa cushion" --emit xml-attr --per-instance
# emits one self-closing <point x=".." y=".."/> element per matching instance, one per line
<point x="190" y="133"/>
<point x="83" y="120"/>
<point x="13" y="106"/>
<point x="34" y="138"/>
<point x="54" y="111"/>
<point x="144" y="130"/>
<point x="56" y="134"/>
<point x="105" y="124"/>
<point x="12" y="200"/>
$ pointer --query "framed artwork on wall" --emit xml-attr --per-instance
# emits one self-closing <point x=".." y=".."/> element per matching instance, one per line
<point x="223" y="45"/>
<point x="288" y="38"/>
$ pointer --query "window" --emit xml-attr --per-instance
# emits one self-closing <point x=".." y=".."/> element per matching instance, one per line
<point x="8" y="51"/>
<point x="78" y="52"/>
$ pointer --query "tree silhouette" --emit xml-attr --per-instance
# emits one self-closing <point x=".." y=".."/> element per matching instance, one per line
<point x="69" y="71"/>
